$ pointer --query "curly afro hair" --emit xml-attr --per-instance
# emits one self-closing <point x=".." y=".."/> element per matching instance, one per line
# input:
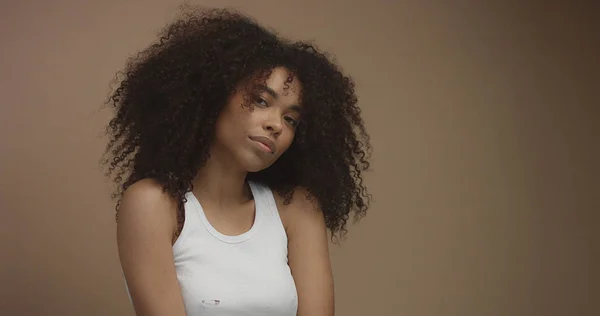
<point x="169" y="96"/>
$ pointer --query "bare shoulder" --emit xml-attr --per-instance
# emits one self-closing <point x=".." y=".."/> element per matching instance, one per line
<point x="146" y="191"/>
<point x="145" y="204"/>
<point x="301" y="211"/>
<point x="308" y="253"/>
<point x="145" y="230"/>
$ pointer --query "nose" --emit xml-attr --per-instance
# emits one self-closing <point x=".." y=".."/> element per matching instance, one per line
<point x="273" y="125"/>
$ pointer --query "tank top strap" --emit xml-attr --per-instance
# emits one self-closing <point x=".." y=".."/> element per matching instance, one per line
<point x="264" y="200"/>
<point x="192" y="218"/>
<point x="265" y="203"/>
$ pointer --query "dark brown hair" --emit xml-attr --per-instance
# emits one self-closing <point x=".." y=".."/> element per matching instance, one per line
<point x="169" y="96"/>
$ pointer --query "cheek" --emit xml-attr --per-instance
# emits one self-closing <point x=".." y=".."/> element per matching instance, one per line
<point x="228" y="129"/>
<point x="287" y="140"/>
<point x="237" y="118"/>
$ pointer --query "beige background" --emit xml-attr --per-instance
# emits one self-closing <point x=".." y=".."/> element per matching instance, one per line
<point x="484" y="120"/>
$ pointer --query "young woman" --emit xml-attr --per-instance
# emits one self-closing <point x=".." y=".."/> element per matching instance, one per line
<point x="234" y="152"/>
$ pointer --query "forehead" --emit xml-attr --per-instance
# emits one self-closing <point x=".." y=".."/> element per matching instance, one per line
<point x="284" y="84"/>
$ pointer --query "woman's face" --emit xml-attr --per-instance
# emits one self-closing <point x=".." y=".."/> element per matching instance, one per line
<point x="255" y="137"/>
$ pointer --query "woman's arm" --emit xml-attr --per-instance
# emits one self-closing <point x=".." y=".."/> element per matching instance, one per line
<point x="147" y="218"/>
<point x="308" y="253"/>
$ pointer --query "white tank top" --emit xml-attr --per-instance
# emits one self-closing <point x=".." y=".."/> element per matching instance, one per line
<point x="247" y="274"/>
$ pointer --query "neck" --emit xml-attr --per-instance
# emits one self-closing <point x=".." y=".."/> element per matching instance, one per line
<point x="220" y="183"/>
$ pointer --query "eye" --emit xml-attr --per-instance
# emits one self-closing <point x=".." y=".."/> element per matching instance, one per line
<point x="260" y="101"/>
<point x="291" y="121"/>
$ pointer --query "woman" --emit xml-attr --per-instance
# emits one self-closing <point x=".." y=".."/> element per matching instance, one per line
<point x="210" y="121"/>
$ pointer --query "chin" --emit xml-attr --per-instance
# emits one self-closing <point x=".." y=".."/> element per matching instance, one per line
<point x="253" y="162"/>
<point x="257" y="165"/>
<point x="256" y="168"/>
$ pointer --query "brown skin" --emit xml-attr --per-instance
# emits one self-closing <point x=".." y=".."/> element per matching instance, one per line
<point x="147" y="223"/>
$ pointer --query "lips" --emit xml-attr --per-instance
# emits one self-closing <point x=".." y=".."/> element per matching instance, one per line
<point x="265" y="141"/>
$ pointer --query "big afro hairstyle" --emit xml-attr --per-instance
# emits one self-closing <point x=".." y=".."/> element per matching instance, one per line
<point x="168" y="97"/>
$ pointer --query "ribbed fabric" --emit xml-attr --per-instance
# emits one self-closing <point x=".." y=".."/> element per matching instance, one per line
<point x="247" y="274"/>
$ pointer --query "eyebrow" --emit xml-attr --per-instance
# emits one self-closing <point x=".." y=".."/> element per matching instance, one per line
<point x="268" y="90"/>
<point x="275" y="95"/>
